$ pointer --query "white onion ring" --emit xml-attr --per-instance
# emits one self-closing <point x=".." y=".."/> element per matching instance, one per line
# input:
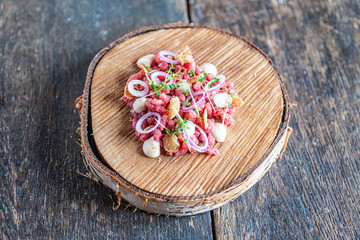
<point x="192" y="144"/>
<point x="221" y="77"/>
<point x="135" y="92"/>
<point x="164" y="53"/>
<point x="186" y="109"/>
<point x="154" y="75"/>
<point x="141" y="120"/>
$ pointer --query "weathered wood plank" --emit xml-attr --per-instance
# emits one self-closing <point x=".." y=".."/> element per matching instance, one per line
<point x="313" y="191"/>
<point x="45" y="51"/>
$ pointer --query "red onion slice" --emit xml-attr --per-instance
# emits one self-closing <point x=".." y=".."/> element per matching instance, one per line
<point x="141" y="120"/>
<point x="192" y="144"/>
<point x="218" y="85"/>
<point x="164" y="53"/>
<point x="186" y="109"/>
<point x="135" y="92"/>
<point x="154" y="75"/>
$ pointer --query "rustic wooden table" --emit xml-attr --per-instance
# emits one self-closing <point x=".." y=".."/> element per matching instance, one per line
<point x="312" y="192"/>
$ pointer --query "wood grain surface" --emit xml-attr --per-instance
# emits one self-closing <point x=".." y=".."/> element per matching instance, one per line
<point x="46" y="48"/>
<point x="256" y="126"/>
<point x="312" y="192"/>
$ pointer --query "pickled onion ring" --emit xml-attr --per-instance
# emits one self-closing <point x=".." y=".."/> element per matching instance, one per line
<point x="141" y="120"/>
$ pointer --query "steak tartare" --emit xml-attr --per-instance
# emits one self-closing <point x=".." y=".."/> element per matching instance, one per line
<point x="178" y="105"/>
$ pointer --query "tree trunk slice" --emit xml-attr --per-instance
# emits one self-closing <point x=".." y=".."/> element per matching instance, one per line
<point x="191" y="183"/>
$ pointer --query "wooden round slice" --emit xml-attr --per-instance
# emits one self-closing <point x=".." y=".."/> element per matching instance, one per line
<point x="191" y="183"/>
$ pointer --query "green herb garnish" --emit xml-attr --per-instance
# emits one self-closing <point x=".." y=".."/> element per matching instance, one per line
<point x="154" y="87"/>
<point x="202" y="77"/>
<point x="213" y="82"/>
<point x="192" y="72"/>
<point x="146" y="67"/>
<point x="172" y="132"/>
<point x="187" y="103"/>
<point x="172" y="86"/>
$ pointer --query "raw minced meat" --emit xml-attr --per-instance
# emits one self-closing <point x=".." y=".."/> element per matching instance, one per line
<point x="181" y="81"/>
